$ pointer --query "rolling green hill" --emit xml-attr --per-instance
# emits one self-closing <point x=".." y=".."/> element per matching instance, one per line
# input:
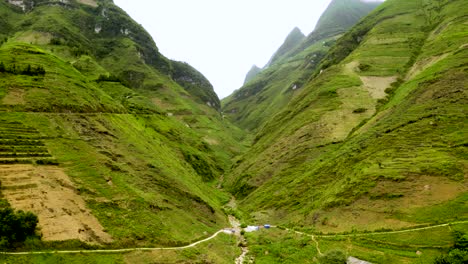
<point x="290" y="67"/>
<point x="88" y="102"/>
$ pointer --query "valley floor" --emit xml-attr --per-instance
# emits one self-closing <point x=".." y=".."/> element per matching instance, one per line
<point x="404" y="246"/>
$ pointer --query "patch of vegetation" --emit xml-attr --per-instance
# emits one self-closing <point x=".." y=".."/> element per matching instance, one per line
<point x="459" y="253"/>
<point x="333" y="257"/>
<point x="16" y="227"/>
<point x="359" y="110"/>
<point x="27" y="70"/>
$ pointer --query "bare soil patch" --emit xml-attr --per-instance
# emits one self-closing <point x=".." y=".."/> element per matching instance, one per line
<point x="211" y="141"/>
<point x="161" y="103"/>
<point x="380" y="41"/>
<point x="89" y="2"/>
<point x="424" y="64"/>
<point x="376" y="86"/>
<point x="15" y="96"/>
<point x="34" y="37"/>
<point x="337" y="124"/>
<point x="48" y="192"/>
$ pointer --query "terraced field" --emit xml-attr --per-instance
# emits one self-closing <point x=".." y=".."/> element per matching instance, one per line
<point x="20" y="144"/>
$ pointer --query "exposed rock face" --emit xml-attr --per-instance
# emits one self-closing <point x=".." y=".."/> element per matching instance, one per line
<point x="353" y="260"/>
<point x="19" y="3"/>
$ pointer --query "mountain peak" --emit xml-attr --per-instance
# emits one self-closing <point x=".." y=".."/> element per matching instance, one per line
<point x="294" y="38"/>
<point x="254" y="71"/>
<point x="342" y="14"/>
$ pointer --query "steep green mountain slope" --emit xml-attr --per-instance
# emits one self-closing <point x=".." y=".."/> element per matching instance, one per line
<point x="254" y="71"/>
<point x="290" y="67"/>
<point x="377" y="138"/>
<point x="121" y="130"/>
<point x="291" y="42"/>
<point x="333" y="22"/>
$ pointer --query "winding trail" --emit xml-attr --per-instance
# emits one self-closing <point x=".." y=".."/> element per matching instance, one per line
<point x="312" y="236"/>
<point x="226" y="231"/>
<point x="125" y="250"/>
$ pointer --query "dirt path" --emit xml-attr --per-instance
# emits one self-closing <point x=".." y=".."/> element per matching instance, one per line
<point x="396" y="232"/>
<point x="226" y="231"/>
<point x="379" y="233"/>
<point x="125" y="250"/>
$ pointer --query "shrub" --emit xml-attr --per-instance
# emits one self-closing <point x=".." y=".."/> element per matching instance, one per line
<point x="16" y="226"/>
<point x="333" y="257"/>
<point x="108" y="78"/>
<point x="455" y="256"/>
<point x="364" y="67"/>
<point x="55" y="41"/>
<point x="360" y="110"/>
<point x="459" y="252"/>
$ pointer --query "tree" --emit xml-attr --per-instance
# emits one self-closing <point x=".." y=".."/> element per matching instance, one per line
<point x="16" y="226"/>
<point x="459" y="253"/>
<point x="28" y="70"/>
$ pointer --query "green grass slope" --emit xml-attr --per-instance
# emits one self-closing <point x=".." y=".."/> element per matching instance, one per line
<point x="332" y="21"/>
<point x="290" y="68"/>
<point x="378" y="137"/>
<point x="84" y="88"/>
<point x="294" y="38"/>
<point x="254" y="71"/>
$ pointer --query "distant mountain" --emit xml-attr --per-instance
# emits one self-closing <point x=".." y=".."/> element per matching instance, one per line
<point x="291" y="66"/>
<point x="292" y="41"/>
<point x="254" y="71"/>
<point x="333" y="21"/>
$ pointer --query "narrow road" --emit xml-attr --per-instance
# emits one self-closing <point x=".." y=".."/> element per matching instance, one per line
<point x="226" y="231"/>
<point x="125" y="250"/>
<point x="397" y="231"/>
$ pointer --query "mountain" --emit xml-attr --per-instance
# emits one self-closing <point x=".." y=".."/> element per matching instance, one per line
<point x="109" y="137"/>
<point x="351" y="145"/>
<point x="333" y="22"/>
<point x="377" y="137"/>
<point x="292" y="40"/>
<point x="254" y="71"/>
<point x="290" y="68"/>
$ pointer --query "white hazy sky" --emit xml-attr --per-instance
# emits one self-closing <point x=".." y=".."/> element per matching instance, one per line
<point x="223" y="38"/>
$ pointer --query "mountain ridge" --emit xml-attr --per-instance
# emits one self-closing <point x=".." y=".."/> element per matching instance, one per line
<point x="271" y="90"/>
